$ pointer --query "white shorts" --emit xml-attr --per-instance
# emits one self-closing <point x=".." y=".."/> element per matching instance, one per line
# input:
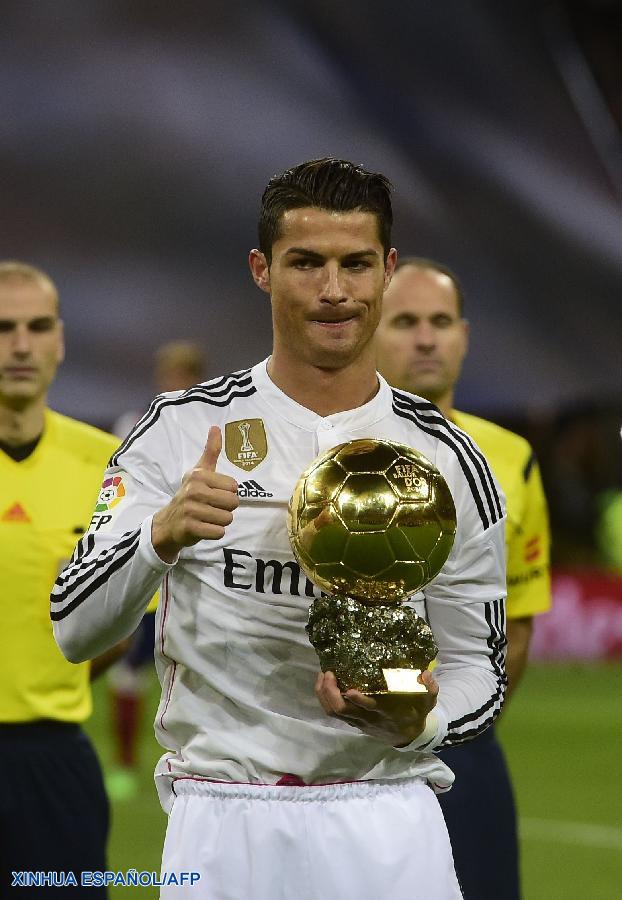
<point x="359" y="841"/>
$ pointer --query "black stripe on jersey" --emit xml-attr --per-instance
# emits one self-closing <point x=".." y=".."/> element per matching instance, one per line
<point x="116" y="563"/>
<point x="529" y="466"/>
<point x="74" y="576"/>
<point x="78" y="552"/>
<point x="495" y="618"/>
<point x="82" y="567"/>
<point x="470" y="733"/>
<point x="83" y="548"/>
<point x="493" y="705"/>
<point x="219" y="392"/>
<point x="472" y="463"/>
<point x="497" y="640"/>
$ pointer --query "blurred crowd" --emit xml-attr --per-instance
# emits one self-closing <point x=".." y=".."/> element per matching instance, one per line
<point x="580" y="454"/>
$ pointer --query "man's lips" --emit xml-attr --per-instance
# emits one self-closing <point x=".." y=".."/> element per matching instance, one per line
<point x="334" y="323"/>
<point x="20" y="371"/>
<point x="426" y="363"/>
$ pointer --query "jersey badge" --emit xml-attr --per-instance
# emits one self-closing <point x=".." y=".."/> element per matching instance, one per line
<point x="246" y="444"/>
<point x="16" y="513"/>
<point x="112" y="492"/>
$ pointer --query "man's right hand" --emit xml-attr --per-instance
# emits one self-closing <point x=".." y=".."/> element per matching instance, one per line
<point x="202" y="507"/>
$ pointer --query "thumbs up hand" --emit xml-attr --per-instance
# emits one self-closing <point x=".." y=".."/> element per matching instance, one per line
<point x="202" y="507"/>
<point x="211" y="451"/>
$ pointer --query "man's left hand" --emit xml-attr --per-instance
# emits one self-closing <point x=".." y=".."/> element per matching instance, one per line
<point x="396" y="719"/>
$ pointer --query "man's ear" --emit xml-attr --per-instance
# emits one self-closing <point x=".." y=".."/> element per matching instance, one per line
<point x="260" y="270"/>
<point x="60" y="351"/>
<point x="466" y="328"/>
<point x="389" y="267"/>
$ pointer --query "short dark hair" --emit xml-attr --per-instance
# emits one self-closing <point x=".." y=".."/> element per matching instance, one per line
<point x="331" y="184"/>
<point x="422" y="262"/>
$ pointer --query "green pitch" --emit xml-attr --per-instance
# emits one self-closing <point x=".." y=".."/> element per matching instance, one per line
<point x="562" y="737"/>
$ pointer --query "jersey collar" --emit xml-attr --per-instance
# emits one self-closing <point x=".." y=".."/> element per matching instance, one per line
<point x="284" y="406"/>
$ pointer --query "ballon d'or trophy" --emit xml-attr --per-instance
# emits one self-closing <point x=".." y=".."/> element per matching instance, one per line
<point x="371" y="522"/>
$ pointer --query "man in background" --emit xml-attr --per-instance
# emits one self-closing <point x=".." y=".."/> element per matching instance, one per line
<point x="421" y="343"/>
<point x="53" y="808"/>
<point x="179" y="365"/>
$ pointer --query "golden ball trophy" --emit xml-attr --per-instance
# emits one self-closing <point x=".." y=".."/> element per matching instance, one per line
<point x="371" y="522"/>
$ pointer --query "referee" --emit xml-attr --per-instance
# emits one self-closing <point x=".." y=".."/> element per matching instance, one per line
<point x="53" y="808"/>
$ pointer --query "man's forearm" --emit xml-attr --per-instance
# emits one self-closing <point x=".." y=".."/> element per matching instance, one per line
<point x="99" y="602"/>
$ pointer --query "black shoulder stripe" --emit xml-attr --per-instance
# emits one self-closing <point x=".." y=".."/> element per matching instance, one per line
<point x="219" y="387"/>
<point x="477" y="458"/>
<point x="472" y="462"/>
<point x="466" y="470"/>
<point x="529" y="466"/>
<point x="238" y="385"/>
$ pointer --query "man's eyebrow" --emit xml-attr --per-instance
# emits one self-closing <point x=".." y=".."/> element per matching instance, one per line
<point x="302" y="251"/>
<point x="313" y="254"/>
<point x="357" y="254"/>
<point x="37" y="320"/>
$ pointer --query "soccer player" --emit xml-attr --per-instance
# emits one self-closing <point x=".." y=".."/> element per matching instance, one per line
<point x="421" y="343"/>
<point x="277" y="784"/>
<point x="53" y="809"/>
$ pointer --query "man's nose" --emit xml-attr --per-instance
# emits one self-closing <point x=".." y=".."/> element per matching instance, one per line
<point x="21" y="341"/>
<point x="424" y="335"/>
<point x="333" y="290"/>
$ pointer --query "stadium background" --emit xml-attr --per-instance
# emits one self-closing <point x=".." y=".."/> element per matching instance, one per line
<point x="135" y="139"/>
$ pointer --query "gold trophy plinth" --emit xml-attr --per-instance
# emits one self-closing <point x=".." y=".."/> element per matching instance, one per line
<point x="371" y="522"/>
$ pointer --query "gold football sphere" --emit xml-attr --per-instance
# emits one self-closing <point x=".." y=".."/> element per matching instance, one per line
<point x="371" y="519"/>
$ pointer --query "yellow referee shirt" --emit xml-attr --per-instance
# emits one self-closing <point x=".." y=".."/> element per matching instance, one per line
<point x="527" y="531"/>
<point x="46" y="504"/>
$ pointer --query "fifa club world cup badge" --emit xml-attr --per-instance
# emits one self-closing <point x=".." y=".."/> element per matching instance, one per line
<point x="246" y="444"/>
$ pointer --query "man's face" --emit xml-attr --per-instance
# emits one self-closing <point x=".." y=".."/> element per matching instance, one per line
<point x="326" y="280"/>
<point x="31" y="342"/>
<point x="422" y="339"/>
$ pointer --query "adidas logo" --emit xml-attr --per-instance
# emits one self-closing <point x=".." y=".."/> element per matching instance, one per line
<point x="252" y="489"/>
<point x="17" y="513"/>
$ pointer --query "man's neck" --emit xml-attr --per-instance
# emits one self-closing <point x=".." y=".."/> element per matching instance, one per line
<point x="445" y="407"/>
<point x="325" y="391"/>
<point x="444" y="403"/>
<point x="21" y="426"/>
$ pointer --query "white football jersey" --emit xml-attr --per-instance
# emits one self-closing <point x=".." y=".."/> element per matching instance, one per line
<point x="236" y="668"/>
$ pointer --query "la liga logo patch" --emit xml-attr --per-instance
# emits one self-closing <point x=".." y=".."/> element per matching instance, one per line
<point x="112" y="492"/>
